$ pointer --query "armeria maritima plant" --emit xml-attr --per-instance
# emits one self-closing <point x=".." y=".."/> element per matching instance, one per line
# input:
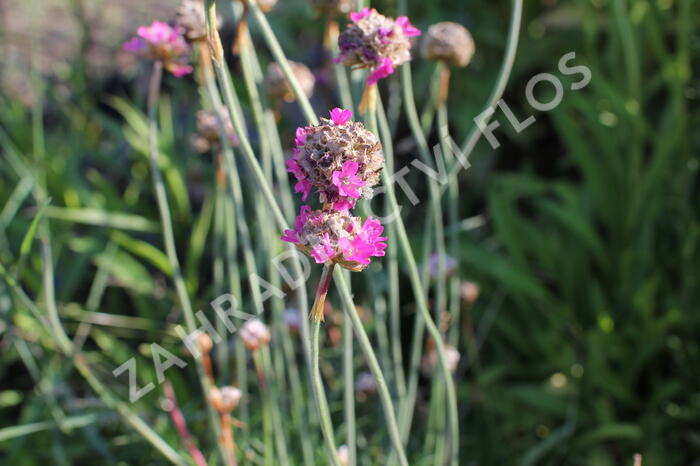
<point x="164" y="43"/>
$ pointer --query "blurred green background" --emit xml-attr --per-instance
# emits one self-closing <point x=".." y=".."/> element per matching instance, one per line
<point x="586" y="248"/>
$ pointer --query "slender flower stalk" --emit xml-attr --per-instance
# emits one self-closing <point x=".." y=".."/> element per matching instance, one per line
<point x="181" y="425"/>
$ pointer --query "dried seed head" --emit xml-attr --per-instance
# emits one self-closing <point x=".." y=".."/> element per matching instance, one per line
<point x="377" y="42"/>
<point x="448" y="42"/>
<point x="164" y="43"/>
<point x="207" y="138"/>
<point x="191" y="18"/>
<point x="336" y="236"/>
<point x="339" y="157"/>
<point x="469" y="292"/>
<point x="276" y="83"/>
<point x="332" y="7"/>
<point x="225" y="399"/>
<point x="254" y="334"/>
<point x="430" y="360"/>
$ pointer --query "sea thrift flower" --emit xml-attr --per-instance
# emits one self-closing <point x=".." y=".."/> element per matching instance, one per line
<point x="254" y="334"/>
<point x="160" y="41"/>
<point x="365" y="383"/>
<point x="376" y="42"/>
<point x="207" y="138"/>
<point x="276" y="83"/>
<point x="332" y="7"/>
<point x="191" y="18"/>
<point x="448" y="42"/>
<point x="225" y="399"/>
<point x="335" y="236"/>
<point x="339" y="157"/>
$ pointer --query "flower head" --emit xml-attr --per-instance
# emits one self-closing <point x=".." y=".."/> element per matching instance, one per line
<point x="430" y="360"/>
<point x="377" y="42"/>
<point x="162" y="42"/>
<point x="337" y="237"/>
<point x="254" y="334"/>
<point x="331" y="8"/>
<point x="190" y="16"/>
<point x="276" y="83"/>
<point x="339" y="157"/>
<point x="448" y="42"/>
<point x="207" y="136"/>
<point x="225" y="399"/>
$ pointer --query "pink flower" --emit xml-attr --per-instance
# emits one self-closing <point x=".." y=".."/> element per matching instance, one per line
<point x="294" y="168"/>
<point x="290" y="236"/>
<point x="346" y="180"/>
<point x="340" y="116"/>
<point x="355" y="16"/>
<point x="303" y="187"/>
<point x="300" y="137"/>
<point x="324" y="251"/>
<point x="164" y="43"/>
<point x="381" y="72"/>
<point x="356" y="250"/>
<point x="370" y="233"/>
<point x="344" y="205"/>
<point x="408" y="29"/>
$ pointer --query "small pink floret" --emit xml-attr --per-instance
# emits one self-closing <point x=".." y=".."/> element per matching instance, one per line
<point x="300" y="137"/>
<point x="409" y="30"/>
<point x="381" y="72"/>
<point x="358" y="15"/>
<point x="303" y="187"/>
<point x="347" y="181"/>
<point x="340" y="116"/>
<point x="294" y="168"/>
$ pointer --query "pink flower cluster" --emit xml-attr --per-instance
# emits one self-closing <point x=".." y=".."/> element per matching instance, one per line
<point x="335" y="236"/>
<point x="342" y="160"/>
<point x="376" y="42"/>
<point x="162" y="42"/>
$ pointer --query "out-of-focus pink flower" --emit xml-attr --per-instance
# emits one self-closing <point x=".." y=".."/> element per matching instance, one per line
<point x="409" y="30"/>
<point x="358" y="15"/>
<point x="340" y="116"/>
<point x="162" y="42"/>
<point x="347" y="181"/>
<point x="381" y="72"/>
<point x="344" y="205"/>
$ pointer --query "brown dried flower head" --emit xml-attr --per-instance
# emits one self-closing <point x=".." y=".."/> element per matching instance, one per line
<point x="207" y="138"/>
<point x="254" y="334"/>
<point x="191" y="18"/>
<point x="332" y="7"/>
<point x="448" y="42"/>
<point x="339" y="157"/>
<point x="276" y="83"/>
<point x="225" y="399"/>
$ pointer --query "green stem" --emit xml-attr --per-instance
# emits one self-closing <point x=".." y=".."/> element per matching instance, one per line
<point x="366" y="345"/>
<point x="168" y="235"/>
<point x="349" y="392"/>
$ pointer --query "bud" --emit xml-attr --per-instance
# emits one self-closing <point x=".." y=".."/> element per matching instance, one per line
<point x="292" y="318"/>
<point x="469" y="292"/>
<point x="344" y="455"/>
<point x="254" y="334"/>
<point x="225" y="399"/>
<point x="430" y="360"/>
<point x="448" y="42"/>
<point x="365" y="383"/>
<point x="205" y="343"/>
<point x="276" y="83"/>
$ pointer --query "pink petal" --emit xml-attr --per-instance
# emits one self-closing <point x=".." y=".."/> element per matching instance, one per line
<point x="294" y="168"/>
<point x="358" y="15"/>
<point x="343" y="205"/>
<point x="340" y="116"/>
<point x="290" y="236"/>
<point x="381" y="72"/>
<point x="303" y="187"/>
<point x="179" y="70"/>
<point x="408" y="29"/>
<point x="135" y="44"/>
<point x="300" y="137"/>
